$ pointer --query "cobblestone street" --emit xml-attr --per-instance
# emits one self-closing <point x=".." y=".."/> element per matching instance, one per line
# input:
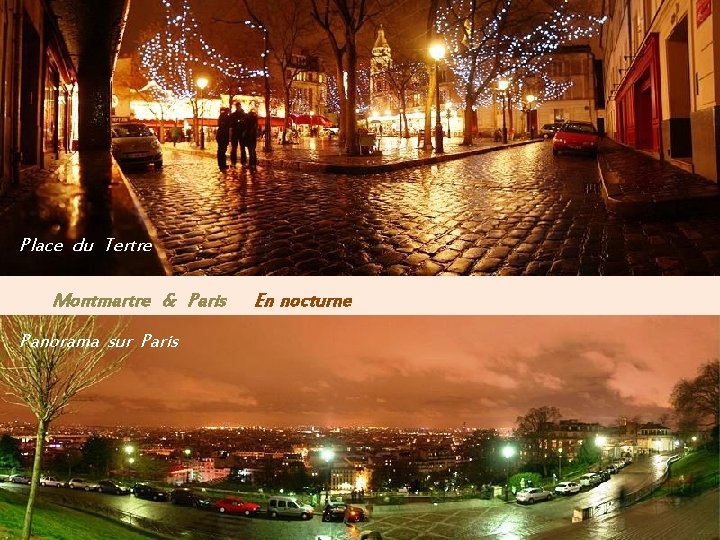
<point x="518" y="211"/>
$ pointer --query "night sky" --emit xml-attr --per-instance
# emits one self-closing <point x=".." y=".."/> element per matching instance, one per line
<point x="396" y="371"/>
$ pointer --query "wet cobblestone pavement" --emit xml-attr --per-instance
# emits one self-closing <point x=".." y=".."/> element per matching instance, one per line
<point x="518" y="211"/>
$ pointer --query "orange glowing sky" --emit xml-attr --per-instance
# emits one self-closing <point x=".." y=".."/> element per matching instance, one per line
<point x="396" y="371"/>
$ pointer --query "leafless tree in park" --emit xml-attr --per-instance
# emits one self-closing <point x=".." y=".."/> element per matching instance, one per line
<point x="46" y="378"/>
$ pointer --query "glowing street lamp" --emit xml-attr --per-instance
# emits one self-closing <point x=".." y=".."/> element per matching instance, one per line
<point x="187" y="453"/>
<point x="507" y="452"/>
<point x="560" y="464"/>
<point x="530" y="99"/>
<point x="202" y="83"/>
<point x="327" y="454"/>
<point x="437" y="53"/>
<point x="600" y="442"/>
<point x="129" y="449"/>
<point x="502" y="87"/>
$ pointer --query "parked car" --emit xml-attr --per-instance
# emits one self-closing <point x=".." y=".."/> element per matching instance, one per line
<point x="133" y="143"/>
<point x="145" y="491"/>
<point x="81" y="483"/>
<point x="590" y="480"/>
<point x="20" y="479"/>
<point x="51" y="481"/>
<point x="604" y="475"/>
<point x="187" y="497"/>
<point x="567" y="488"/>
<point x="576" y="136"/>
<point x="532" y="495"/>
<point x="548" y="130"/>
<point x="339" y="511"/>
<point x="619" y="464"/>
<point x="113" y="487"/>
<point x="612" y="468"/>
<point x="289" y="507"/>
<point x="235" y="505"/>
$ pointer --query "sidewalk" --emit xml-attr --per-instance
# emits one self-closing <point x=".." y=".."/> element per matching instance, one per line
<point x="635" y="184"/>
<point x="320" y="154"/>
<point x="64" y="204"/>
<point x="668" y="518"/>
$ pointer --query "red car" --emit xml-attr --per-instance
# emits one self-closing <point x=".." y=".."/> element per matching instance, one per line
<point x="234" y="505"/>
<point x="576" y="136"/>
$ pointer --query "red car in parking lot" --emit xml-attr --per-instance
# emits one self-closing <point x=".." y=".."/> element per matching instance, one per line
<point x="577" y="137"/>
<point x="235" y="505"/>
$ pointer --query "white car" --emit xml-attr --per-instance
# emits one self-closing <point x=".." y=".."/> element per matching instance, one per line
<point x="80" y="483"/>
<point x="133" y="143"/>
<point x="590" y="480"/>
<point x="567" y="488"/>
<point x="50" y="481"/>
<point x="532" y="495"/>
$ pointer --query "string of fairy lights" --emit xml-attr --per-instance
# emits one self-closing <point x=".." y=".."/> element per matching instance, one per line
<point x="173" y="57"/>
<point x="480" y="52"/>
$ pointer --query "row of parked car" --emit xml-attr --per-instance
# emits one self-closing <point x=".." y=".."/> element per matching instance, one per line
<point x="532" y="495"/>
<point x="573" y="136"/>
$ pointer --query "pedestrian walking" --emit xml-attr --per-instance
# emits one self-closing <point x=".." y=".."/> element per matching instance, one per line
<point x="249" y="139"/>
<point x="237" y="125"/>
<point x="223" y="137"/>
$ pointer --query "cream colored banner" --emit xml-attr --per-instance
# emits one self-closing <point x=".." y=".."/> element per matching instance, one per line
<point x="361" y="296"/>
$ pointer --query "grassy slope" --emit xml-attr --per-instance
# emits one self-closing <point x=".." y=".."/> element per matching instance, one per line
<point x="58" y="523"/>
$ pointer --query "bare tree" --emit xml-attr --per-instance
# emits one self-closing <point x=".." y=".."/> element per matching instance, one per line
<point x="405" y="76"/>
<point x="697" y="401"/>
<point x="342" y="20"/>
<point x="430" y="95"/>
<point x="45" y="375"/>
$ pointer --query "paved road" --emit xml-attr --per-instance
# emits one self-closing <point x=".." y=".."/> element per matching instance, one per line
<point x="475" y="519"/>
<point x="512" y="212"/>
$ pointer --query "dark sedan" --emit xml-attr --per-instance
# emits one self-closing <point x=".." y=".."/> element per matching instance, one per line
<point x="148" y="492"/>
<point x="110" y="486"/>
<point x="343" y="512"/>
<point x="187" y="497"/>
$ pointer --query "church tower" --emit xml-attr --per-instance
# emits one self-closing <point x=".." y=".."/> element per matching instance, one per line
<point x="379" y="63"/>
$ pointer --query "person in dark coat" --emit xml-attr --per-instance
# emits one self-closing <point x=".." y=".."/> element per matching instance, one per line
<point x="249" y="140"/>
<point x="223" y="137"/>
<point x="237" y="122"/>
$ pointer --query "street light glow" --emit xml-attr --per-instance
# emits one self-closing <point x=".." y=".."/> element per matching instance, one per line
<point x="129" y="449"/>
<point x="503" y="84"/>
<point x="600" y="441"/>
<point x="437" y="51"/>
<point x="202" y="82"/>
<point x="508" y="452"/>
<point x="327" y="454"/>
<point x="187" y="451"/>
<point x="530" y="98"/>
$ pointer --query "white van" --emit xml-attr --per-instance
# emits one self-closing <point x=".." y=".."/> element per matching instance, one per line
<point x="290" y="507"/>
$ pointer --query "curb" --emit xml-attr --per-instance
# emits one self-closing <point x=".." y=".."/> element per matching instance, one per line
<point x="366" y="169"/>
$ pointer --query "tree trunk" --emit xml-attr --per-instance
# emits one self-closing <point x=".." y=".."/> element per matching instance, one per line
<point x="510" y="126"/>
<point x="342" y="115"/>
<point x="351" y="144"/>
<point x="35" y="482"/>
<point x="467" y="122"/>
<point x="286" y="121"/>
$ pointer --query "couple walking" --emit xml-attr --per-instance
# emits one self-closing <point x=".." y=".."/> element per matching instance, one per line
<point x="237" y="128"/>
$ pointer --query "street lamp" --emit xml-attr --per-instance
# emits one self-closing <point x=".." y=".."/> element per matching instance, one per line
<point x="187" y="453"/>
<point x="202" y="83"/>
<point x="437" y="53"/>
<point x="507" y="452"/>
<point x="327" y="454"/>
<point x="600" y="441"/>
<point x="560" y="464"/>
<point x="502" y="86"/>
<point x="530" y="99"/>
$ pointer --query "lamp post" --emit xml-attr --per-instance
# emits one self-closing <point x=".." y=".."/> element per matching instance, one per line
<point x="502" y="86"/>
<point x="507" y="452"/>
<point x="328" y="455"/>
<point x="187" y="453"/>
<point x="600" y="441"/>
<point x="530" y="99"/>
<point x="437" y="53"/>
<point x="202" y="83"/>
<point x="560" y="464"/>
<point x="448" y="106"/>
<point x="129" y="450"/>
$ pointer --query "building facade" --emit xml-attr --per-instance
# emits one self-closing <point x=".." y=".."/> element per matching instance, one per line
<point x="662" y="80"/>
